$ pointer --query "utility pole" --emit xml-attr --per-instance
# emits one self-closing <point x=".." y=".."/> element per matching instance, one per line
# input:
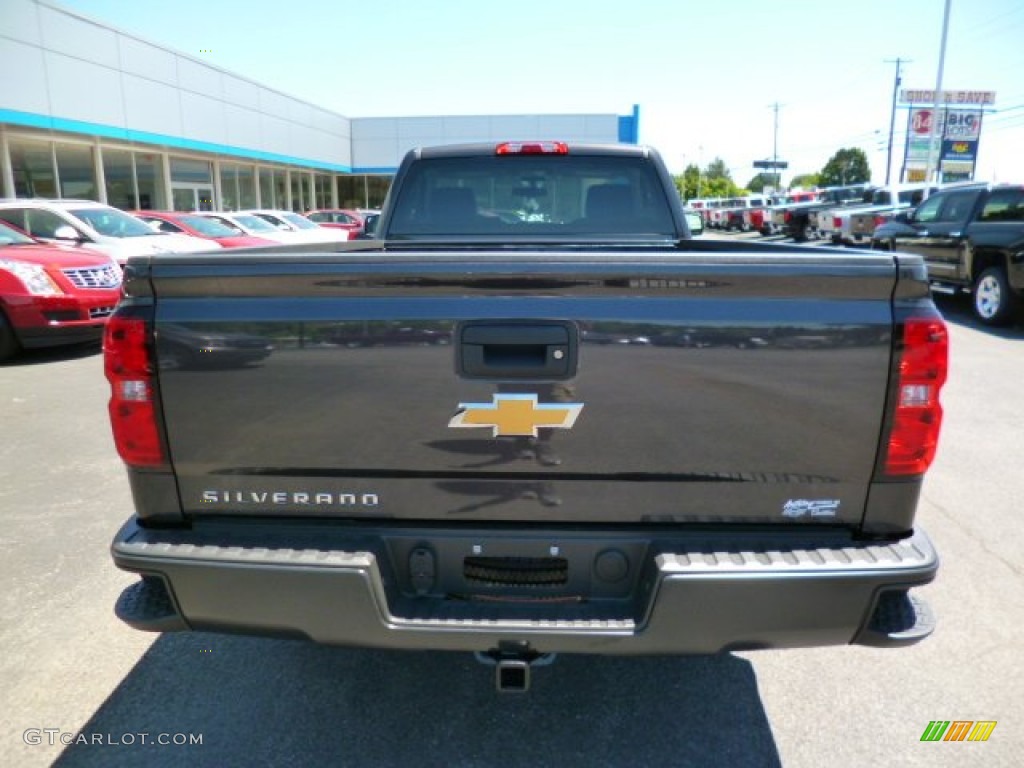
<point x="892" y="119"/>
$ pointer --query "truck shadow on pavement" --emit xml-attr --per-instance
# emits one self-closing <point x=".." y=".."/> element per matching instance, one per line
<point x="957" y="309"/>
<point x="282" y="702"/>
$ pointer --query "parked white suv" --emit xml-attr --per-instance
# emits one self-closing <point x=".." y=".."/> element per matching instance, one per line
<point x="95" y="227"/>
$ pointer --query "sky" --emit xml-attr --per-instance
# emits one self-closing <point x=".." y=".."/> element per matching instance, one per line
<point x="705" y="76"/>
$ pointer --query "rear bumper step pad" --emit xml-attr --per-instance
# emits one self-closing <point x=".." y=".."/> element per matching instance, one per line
<point x="709" y="594"/>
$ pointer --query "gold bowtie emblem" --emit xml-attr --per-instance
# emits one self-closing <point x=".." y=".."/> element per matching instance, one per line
<point x="516" y="415"/>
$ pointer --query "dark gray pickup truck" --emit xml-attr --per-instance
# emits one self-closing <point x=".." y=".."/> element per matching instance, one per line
<point x="534" y="416"/>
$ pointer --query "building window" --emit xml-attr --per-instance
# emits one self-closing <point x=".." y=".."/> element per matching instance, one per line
<point x="247" y="187"/>
<point x="350" y="192"/>
<point x="266" y="188"/>
<point x="32" y="167"/>
<point x="229" y="194"/>
<point x="120" y="179"/>
<point x="323" y="191"/>
<point x="76" y="171"/>
<point x="4" y="192"/>
<point x="301" y="192"/>
<point x="150" y="176"/>
<point x="191" y="171"/>
<point x="376" y="190"/>
<point x="280" y="190"/>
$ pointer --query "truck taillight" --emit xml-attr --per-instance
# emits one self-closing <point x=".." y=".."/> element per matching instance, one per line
<point x="787" y="217"/>
<point x="917" y="416"/>
<point x="532" y="148"/>
<point x="837" y="223"/>
<point x="128" y="364"/>
<point x="879" y="221"/>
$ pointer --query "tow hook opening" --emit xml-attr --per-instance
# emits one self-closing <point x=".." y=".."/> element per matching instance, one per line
<point x="513" y="665"/>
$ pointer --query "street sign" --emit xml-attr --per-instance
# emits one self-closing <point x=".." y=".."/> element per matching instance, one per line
<point x="772" y="164"/>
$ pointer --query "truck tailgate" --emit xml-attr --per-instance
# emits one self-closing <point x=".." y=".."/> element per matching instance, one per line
<point x="740" y="388"/>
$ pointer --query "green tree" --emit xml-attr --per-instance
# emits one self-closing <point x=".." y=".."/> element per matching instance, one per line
<point x="806" y="181"/>
<point x="717" y="181"/>
<point x="762" y="180"/>
<point x="714" y="181"/>
<point x="689" y="183"/>
<point x="717" y="169"/>
<point x="847" y="166"/>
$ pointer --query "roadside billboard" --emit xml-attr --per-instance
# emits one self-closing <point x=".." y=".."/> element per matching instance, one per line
<point x="949" y="98"/>
<point x="955" y="146"/>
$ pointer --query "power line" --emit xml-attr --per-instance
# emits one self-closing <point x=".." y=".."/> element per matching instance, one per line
<point x="993" y="20"/>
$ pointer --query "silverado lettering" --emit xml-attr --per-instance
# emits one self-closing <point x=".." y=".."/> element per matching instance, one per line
<point x="281" y="497"/>
<point x="745" y="472"/>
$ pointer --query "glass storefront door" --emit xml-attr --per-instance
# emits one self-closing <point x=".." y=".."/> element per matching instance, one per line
<point x="188" y="197"/>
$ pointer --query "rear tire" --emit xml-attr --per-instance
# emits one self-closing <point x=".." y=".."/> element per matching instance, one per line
<point x="992" y="299"/>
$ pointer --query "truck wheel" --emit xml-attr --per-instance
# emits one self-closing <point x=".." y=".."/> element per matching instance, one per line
<point x="9" y="345"/>
<point x="993" y="299"/>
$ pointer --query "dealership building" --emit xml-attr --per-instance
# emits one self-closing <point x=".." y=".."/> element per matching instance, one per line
<point x="90" y="111"/>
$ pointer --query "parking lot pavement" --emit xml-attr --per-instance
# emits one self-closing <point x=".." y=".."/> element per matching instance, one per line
<point x="69" y="667"/>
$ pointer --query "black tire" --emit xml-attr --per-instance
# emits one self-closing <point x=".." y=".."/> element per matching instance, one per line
<point x="992" y="299"/>
<point x="9" y="344"/>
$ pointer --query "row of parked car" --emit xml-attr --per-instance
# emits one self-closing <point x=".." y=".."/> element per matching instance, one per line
<point x="61" y="260"/>
<point x="845" y="215"/>
<point x="969" y="234"/>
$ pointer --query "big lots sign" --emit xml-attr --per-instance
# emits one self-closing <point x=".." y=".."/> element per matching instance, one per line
<point x="953" y="123"/>
<point x="962" y="125"/>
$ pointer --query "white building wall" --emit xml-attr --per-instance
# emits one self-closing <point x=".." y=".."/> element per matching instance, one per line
<point x="81" y="76"/>
<point x="72" y="70"/>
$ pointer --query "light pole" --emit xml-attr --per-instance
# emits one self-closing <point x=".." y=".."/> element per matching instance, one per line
<point x="929" y="168"/>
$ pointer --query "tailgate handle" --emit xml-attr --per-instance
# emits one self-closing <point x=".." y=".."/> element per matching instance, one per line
<point x="517" y="349"/>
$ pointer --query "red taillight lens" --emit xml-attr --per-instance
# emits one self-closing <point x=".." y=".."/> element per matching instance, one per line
<point x="917" y="415"/>
<point x="879" y="221"/>
<point x="532" y="148"/>
<point x="837" y="223"/>
<point x="787" y="217"/>
<point x="128" y="366"/>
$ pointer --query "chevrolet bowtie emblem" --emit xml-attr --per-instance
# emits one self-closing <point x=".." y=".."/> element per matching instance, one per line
<point x="516" y="415"/>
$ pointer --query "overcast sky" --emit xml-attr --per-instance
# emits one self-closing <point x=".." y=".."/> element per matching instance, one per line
<point x="705" y="75"/>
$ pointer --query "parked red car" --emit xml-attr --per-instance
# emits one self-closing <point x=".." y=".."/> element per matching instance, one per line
<point x="198" y="226"/>
<point x="339" y="218"/>
<point x="52" y="294"/>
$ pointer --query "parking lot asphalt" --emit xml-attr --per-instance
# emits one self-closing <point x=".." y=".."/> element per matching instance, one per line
<point x="72" y="672"/>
